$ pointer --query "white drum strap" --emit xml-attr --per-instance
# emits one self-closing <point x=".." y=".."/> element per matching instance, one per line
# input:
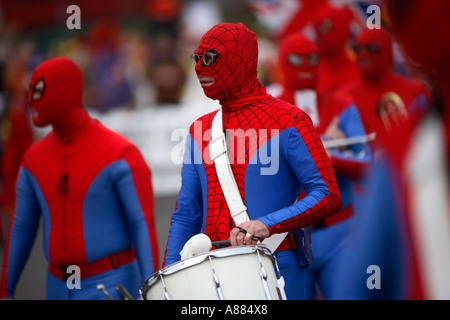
<point x="218" y="154"/>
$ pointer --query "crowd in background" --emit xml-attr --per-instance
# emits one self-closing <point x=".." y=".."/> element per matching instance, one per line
<point x="128" y="63"/>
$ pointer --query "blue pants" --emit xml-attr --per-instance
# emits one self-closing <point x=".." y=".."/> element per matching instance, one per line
<point x="328" y="246"/>
<point x="126" y="275"/>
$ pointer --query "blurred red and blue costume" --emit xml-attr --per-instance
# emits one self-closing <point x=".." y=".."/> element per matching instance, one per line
<point x="382" y="96"/>
<point x="337" y="68"/>
<point x="404" y="225"/>
<point x="93" y="189"/>
<point x="334" y="109"/>
<point x="271" y="136"/>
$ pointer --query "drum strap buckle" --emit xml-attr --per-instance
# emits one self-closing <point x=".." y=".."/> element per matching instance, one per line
<point x="217" y="146"/>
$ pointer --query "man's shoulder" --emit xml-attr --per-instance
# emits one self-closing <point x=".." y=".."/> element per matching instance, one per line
<point x="285" y="113"/>
<point x="203" y="121"/>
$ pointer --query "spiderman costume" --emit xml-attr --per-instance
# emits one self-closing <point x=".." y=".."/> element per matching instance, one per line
<point x="93" y="189"/>
<point x="262" y="133"/>
<point x="404" y="228"/>
<point x="337" y="68"/>
<point x="383" y="97"/>
<point x="299" y="58"/>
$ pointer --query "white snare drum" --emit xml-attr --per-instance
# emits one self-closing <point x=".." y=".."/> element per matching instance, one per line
<point x="234" y="273"/>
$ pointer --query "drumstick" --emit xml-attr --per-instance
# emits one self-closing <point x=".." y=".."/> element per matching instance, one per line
<point x="101" y="287"/>
<point x="221" y="244"/>
<point x="123" y="293"/>
<point x="329" y="144"/>
<point x="226" y="243"/>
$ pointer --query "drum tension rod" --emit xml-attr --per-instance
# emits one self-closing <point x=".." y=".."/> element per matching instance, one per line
<point x="263" y="274"/>
<point x="216" y="280"/>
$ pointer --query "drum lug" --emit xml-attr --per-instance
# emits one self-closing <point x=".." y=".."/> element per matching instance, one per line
<point x="280" y="282"/>
<point x="280" y="288"/>
<point x="167" y="295"/>
<point x="263" y="275"/>
<point x="216" y="281"/>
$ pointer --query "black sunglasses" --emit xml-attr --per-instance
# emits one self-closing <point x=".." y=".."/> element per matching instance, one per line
<point x="370" y="48"/>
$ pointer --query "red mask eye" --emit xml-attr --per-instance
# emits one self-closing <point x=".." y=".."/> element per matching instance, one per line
<point x="295" y="60"/>
<point x="38" y="90"/>
<point x="313" y="59"/>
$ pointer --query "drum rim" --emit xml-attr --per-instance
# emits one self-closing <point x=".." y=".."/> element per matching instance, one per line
<point x="199" y="258"/>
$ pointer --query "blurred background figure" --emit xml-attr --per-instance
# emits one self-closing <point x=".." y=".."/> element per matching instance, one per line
<point x="338" y="67"/>
<point x="400" y="247"/>
<point x="16" y="132"/>
<point x="164" y="17"/>
<point x="334" y="117"/>
<point x="166" y="71"/>
<point x="108" y="86"/>
<point x="384" y="97"/>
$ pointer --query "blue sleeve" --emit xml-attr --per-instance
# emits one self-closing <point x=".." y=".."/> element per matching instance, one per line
<point x="350" y="123"/>
<point x="313" y="170"/>
<point x="187" y="220"/>
<point x="23" y="232"/>
<point x="134" y="188"/>
<point x="420" y="103"/>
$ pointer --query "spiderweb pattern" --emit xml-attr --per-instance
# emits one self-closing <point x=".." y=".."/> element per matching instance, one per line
<point x="248" y="108"/>
<point x="235" y="69"/>
<point x="249" y="122"/>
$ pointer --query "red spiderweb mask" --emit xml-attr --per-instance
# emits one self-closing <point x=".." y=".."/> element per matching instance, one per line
<point x="374" y="52"/>
<point x="299" y="58"/>
<point x="234" y="66"/>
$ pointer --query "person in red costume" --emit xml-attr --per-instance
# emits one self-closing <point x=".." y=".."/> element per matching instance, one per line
<point x="226" y="66"/>
<point x="403" y="236"/>
<point x="93" y="189"/>
<point x="17" y="134"/>
<point x="334" y="116"/>
<point x="337" y="68"/>
<point x="383" y="97"/>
